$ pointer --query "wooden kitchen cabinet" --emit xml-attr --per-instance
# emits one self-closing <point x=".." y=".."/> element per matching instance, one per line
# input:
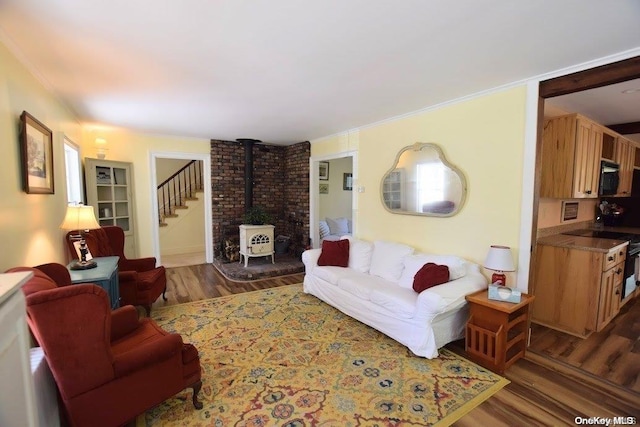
<point x="610" y="295"/>
<point x="625" y="153"/>
<point x="571" y="153"/>
<point x="577" y="290"/>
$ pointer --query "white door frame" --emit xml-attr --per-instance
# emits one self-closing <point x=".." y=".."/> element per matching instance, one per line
<point x="314" y="193"/>
<point x="206" y="172"/>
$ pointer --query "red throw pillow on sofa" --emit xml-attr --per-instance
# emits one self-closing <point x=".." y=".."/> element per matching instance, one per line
<point x="334" y="253"/>
<point x="430" y="275"/>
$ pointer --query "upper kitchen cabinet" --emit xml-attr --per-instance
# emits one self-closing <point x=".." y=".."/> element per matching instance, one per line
<point x="625" y="153"/>
<point x="571" y="151"/>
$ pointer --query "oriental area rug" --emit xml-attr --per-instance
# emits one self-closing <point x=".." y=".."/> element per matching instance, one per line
<point x="280" y="357"/>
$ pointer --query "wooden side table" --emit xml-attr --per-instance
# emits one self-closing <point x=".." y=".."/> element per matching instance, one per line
<point x="104" y="275"/>
<point x="497" y="331"/>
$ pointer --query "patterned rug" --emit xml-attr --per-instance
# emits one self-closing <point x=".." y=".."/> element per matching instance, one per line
<point x="280" y="357"/>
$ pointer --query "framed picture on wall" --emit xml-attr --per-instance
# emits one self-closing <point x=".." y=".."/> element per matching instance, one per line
<point x="347" y="182"/>
<point x="323" y="171"/>
<point x="324" y="189"/>
<point x="37" y="155"/>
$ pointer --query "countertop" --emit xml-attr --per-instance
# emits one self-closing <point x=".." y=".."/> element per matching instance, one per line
<point x="596" y="244"/>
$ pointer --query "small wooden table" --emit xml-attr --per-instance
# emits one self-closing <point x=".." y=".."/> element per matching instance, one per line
<point x="497" y="331"/>
<point x="104" y="275"/>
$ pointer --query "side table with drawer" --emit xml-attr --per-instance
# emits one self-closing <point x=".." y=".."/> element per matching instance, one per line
<point x="497" y="331"/>
<point x="104" y="275"/>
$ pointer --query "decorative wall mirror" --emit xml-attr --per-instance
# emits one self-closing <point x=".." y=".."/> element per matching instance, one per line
<point x="423" y="182"/>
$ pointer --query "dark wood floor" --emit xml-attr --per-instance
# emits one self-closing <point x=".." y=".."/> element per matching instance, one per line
<point x="542" y="392"/>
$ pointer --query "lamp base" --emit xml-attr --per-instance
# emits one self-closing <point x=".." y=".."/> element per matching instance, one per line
<point x="499" y="277"/>
<point x="83" y="265"/>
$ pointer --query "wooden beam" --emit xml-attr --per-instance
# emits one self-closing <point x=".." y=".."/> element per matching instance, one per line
<point x="625" y="128"/>
<point x="604" y="75"/>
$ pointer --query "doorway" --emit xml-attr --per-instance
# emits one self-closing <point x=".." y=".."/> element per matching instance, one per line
<point x="183" y="250"/>
<point x="333" y="191"/>
<point x="565" y="350"/>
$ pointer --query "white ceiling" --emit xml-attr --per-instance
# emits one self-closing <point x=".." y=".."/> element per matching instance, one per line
<point x="608" y="105"/>
<point x="285" y="71"/>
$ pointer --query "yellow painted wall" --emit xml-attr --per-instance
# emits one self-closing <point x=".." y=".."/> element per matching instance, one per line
<point x="128" y="146"/>
<point x="165" y="168"/>
<point x="29" y="222"/>
<point x="184" y="235"/>
<point x="484" y="137"/>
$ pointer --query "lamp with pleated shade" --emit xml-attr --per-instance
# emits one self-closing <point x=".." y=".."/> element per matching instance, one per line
<point x="80" y="218"/>
<point x="499" y="259"/>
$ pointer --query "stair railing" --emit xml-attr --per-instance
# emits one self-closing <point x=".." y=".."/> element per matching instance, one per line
<point x="179" y="187"/>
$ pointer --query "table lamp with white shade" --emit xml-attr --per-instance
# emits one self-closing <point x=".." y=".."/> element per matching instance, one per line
<point x="80" y="218"/>
<point x="499" y="259"/>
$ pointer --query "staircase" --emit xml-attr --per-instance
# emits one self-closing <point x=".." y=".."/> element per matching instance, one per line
<point x="178" y="189"/>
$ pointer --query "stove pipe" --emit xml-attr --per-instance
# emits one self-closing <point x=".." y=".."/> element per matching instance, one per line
<point x="248" y="171"/>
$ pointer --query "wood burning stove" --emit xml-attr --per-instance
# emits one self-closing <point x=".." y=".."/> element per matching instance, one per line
<point x="255" y="241"/>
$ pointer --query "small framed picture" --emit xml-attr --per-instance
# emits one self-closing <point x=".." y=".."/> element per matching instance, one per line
<point x="323" y="171"/>
<point x="76" y="245"/>
<point x="569" y="211"/>
<point x="347" y="182"/>
<point x="324" y="188"/>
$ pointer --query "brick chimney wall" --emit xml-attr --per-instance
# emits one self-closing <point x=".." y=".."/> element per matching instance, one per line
<point x="296" y="203"/>
<point x="281" y="187"/>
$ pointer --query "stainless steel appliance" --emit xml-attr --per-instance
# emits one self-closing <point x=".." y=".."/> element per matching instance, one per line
<point x="609" y="178"/>
<point x="631" y="272"/>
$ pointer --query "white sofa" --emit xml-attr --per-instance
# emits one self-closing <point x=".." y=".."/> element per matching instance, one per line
<point x="377" y="289"/>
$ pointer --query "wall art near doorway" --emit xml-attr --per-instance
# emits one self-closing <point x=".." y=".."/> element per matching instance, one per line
<point x="347" y="181"/>
<point x="323" y="171"/>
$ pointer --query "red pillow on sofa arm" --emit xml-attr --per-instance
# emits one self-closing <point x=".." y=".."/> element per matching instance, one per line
<point x="334" y="253"/>
<point x="430" y="275"/>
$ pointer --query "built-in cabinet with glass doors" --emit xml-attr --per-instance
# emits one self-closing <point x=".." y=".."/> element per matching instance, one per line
<point x="110" y="192"/>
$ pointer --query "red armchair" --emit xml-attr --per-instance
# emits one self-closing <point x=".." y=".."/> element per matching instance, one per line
<point x="109" y="366"/>
<point x="141" y="282"/>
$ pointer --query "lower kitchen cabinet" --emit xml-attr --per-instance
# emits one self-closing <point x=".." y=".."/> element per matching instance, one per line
<point x="577" y="291"/>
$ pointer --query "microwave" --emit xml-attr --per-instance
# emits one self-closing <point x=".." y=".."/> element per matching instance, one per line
<point x="609" y="178"/>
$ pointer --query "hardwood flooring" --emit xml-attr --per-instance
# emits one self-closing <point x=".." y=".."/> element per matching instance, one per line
<point x="612" y="354"/>
<point x="542" y="392"/>
<point x="198" y="282"/>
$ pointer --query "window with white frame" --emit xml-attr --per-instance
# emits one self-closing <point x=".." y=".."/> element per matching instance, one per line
<point x="73" y="172"/>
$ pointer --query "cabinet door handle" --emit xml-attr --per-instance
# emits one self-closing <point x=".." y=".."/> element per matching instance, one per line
<point x="618" y="271"/>
<point x="610" y="258"/>
<point x="617" y="291"/>
<point x="587" y="192"/>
